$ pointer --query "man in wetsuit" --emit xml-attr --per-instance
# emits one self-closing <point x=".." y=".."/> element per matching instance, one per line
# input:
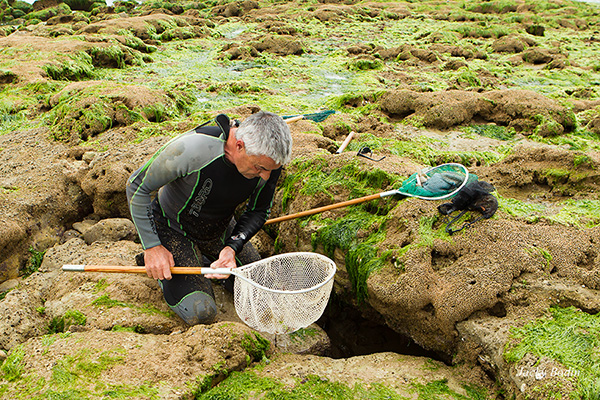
<point x="201" y="177"/>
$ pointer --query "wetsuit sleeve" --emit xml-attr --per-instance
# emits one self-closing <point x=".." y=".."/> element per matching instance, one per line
<point x="141" y="186"/>
<point x="176" y="159"/>
<point x="256" y="213"/>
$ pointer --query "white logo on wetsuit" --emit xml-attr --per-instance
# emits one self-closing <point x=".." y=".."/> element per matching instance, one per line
<point x="239" y="236"/>
<point x="201" y="197"/>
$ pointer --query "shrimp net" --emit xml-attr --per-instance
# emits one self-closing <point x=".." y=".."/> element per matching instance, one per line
<point x="437" y="183"/>
<point x="284" y="293"/>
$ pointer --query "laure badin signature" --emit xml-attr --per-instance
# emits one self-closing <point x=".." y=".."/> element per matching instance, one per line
<point x="540" y="373"/>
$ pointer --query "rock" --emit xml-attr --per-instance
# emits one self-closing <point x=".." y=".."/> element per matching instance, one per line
<point x="113" y="229"/>
<point x="70" y="234"/>
<point x="485" y="337"/>
<point x="522" y="109"/>
<point x="83" y="226"/>
<point x="9" y="285"/>
<point x="89" y="156"/>
<point x="107" y="301"/>
<point x="21" y="316"/>
<point x="264" y="244"/>
<point x="401" y="373"/>
<point x="170" y="366"/>
<point x="310" y="340"/>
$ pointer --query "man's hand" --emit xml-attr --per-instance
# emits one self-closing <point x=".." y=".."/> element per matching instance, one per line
<point x="226" y="260"/>
<point x="158" y="262"/>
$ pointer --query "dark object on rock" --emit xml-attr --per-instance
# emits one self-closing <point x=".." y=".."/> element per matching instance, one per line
<point x="475" y="196"/>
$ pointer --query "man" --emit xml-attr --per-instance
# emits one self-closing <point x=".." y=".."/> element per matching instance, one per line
<point x="201" y="177"/>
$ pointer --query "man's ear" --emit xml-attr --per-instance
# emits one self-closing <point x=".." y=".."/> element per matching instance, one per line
<point x="239" y="145"/>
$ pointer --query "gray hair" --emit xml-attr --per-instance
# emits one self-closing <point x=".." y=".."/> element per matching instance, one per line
<point x="267" y="134"/>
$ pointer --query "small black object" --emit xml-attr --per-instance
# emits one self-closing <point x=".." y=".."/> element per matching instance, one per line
<point x="475" y="196"/>
<point x="367" y="153"/>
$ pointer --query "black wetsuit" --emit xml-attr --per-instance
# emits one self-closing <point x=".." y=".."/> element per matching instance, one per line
<point x="198" y="193"/>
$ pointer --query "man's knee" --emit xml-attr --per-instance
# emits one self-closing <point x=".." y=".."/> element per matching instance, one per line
<point x="196" y="308"/>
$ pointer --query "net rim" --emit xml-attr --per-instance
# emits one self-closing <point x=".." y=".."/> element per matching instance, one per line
<point x="327" y="261"/>
<point x="452" y="193"/>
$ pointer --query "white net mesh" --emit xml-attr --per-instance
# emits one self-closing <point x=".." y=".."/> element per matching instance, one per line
<point x="292" y="293"/>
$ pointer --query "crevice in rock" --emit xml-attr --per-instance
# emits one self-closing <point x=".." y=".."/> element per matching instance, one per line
<point x="497" y="310"/>
<point x="353" y="335"/>
<point x="441" y="260"/>
<point x="429" y="308"/>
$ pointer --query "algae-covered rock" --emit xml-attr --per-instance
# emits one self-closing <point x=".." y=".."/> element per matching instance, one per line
<point x="83" y="110"/>
<point x="124" y="363"/>
<point x="523" y="110"/>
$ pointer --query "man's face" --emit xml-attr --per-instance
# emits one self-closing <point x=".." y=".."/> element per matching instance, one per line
<point x="255" y="166"/>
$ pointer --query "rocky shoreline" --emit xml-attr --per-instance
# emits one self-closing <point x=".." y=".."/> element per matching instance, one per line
<point x="504" y="309"/>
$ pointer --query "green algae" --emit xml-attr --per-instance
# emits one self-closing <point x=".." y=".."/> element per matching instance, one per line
<point x="428" y="233"/>
<point x="303" y="333"/>
<point x="18" y="9"/>
<point x="580" y="213"/>
<point x="545" y="255"/>
<point x="362" y="228"/>
<point x="583" y="213"/>
<point x="145" y="130"/>
<point x="582" y="160"/>
<point x="47" y="13"/>
<point x="10" y="121"/>
<point x="315" y="176"/>
<point x="568" y="336"/>
<point x="12" y="368"/>
<point x="256" y="346"/>
<point x="61" y="323"/>
<point x="556" y="175"/>
<point x="34" y="262"/>
<point x="580" y="140"/>
<point x="247" y="385"/>
<point x="94" y="116"/>
<point x="76" y="67"/>
<point x="317" y="77"/>
<point x="440" y="390"/>
<point x="136" y="43"/>
<point x="76" y="376"/>
<point x="478" y="31"/>
<point x="358" y="233"/>
<point x="114" y="56"/>
<point x="101" y="285"/>
<point x="314" y="79"/>
<point x="491" y="131"/>
<point x="364" y="65"/>
<point x="427" y="151"/>
<point x="83" y="113"/>
<point x="105" y="301"/>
